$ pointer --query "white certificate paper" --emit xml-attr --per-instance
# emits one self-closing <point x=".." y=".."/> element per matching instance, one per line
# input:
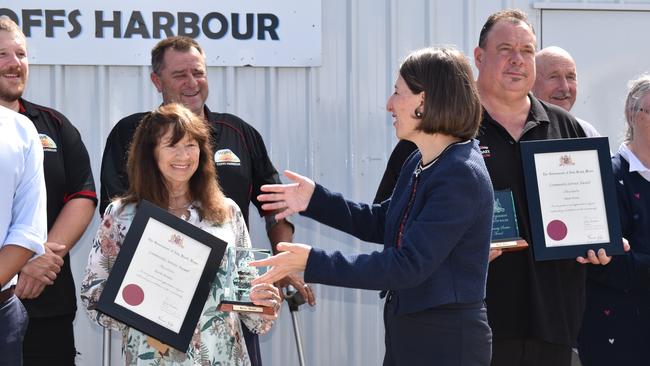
<point x="163" y="275"/>
<point x="571" y="198"/>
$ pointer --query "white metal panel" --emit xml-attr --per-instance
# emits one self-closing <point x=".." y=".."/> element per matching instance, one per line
<point x="326" y="122"/>
<point x="604" y="63"/>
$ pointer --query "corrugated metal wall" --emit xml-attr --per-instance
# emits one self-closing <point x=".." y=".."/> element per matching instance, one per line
<point x="326" y="122"/>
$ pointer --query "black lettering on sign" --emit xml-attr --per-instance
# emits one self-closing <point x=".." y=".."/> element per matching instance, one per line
<point x="74" y="21"/>
<point x="136" y="26"/>
<point x="51" y="22"/>
<point x="267" y="27"/>
<point x="28" y="22"/>
<point x="115" y="23"/>
<point x="188" y="25"/>
<point x="236" y="28"/>
<point x="206" y="25"/>
<point x="157" y="24"/>
<point x="163" y="22"/>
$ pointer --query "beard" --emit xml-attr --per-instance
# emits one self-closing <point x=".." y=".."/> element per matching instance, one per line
<point x="11" y="93"/>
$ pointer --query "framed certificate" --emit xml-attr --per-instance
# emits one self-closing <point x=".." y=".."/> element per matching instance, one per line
<point x="162" y="276"/>
<point x="571" y="197"/>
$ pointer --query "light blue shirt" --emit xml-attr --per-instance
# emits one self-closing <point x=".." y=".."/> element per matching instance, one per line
<point x="23" y="216"/>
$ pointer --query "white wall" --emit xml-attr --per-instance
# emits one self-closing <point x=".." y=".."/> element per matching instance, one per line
<point x="609" y="51"/>
<point x="327" y="122"/>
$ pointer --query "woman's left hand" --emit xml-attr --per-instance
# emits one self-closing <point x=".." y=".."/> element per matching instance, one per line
<point x="265" y="294"/>
<point x="600" y="258"/>
<point x="293" y="258"/>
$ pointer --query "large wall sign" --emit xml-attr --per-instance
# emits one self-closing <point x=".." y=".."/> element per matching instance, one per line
<point x="119" y="32"/>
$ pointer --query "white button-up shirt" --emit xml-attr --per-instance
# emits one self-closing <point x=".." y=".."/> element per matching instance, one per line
<point x="23" y="216"/>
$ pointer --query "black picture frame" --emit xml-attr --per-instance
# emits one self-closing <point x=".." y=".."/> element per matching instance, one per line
<point x="542" y="251"/>
<point x="107" y="305"/>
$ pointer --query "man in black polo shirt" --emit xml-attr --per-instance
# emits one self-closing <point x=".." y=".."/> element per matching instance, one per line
<point x="71" y="201"/>
<point x="242" y="162"/>
<point x="534" y="308"/>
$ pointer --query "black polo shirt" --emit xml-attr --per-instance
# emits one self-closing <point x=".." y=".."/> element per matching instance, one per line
<point x="242" y="162"/>
<point x="68" y="176"/>
<point x="525" y="298"/>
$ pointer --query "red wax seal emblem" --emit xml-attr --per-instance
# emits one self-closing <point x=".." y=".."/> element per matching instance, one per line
<point x="557" y="230"/>
<point x="133" y="294"/>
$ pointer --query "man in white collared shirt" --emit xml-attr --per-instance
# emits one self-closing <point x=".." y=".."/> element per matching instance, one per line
<point x="23" y="224"/>
<point x="556" y="82"/>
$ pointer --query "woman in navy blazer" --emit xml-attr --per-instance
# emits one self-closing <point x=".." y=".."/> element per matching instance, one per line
<point x="435" y="227"/>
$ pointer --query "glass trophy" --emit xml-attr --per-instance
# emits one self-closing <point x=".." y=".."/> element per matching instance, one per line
<point x="236" y="291"/>
<point x="505" y="231"/>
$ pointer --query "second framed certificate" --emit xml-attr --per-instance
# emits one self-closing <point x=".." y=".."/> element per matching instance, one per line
<point x="571" y="197"/>
<point x="162" y="276"/>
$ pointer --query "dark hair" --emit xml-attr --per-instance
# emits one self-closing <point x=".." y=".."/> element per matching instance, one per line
<point x="451" y="102"/>
<point x="146" y="180"/>
<point x="514" y="16"/>
<point x="177" y="43"/>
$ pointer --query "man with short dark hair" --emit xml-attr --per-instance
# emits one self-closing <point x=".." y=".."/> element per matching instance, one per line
<point x="242" y="162"/>
<point x="71" y="201"/>
<point x="534" y="308"/>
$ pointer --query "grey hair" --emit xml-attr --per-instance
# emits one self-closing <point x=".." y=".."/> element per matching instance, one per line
<point x="638" y="89"/>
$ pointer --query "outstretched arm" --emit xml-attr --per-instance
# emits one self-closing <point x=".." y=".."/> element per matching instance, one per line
<point x="282" y="231"/>
<point x="363" y="221"/>
<point x="288" y="199"/>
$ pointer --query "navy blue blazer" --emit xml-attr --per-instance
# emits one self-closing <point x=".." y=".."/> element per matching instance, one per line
<point x="443" y="253"/>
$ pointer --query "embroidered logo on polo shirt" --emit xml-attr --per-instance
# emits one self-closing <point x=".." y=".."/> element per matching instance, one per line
<point x="485" y="151"/>
<point x="226" y="157"/>
<point x="47" y="142"/>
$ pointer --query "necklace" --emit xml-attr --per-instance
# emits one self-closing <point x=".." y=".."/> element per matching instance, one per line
<point x="181" y="211"/>
<point x="181" y="207"/>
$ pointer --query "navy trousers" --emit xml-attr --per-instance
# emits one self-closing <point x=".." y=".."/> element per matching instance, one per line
<point x="530" y="352"/>
<point x="450" y="335"/>
<point x="50" y="341"/>
<point x="253" y="346"/>
<point x="13" y="323"/>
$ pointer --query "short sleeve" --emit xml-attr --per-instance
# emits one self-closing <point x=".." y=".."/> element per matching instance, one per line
<point x="78" y="173"/>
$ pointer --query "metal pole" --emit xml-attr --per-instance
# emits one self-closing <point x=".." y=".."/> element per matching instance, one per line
<point x="295" y="299"/>
<point x="106" y="348"/>
<point x="296" y="329"/>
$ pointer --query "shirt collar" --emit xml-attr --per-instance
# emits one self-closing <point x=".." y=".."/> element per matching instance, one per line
<point x="635" y="164"/>
<point x="537" y="111"/>
<point x="26" y="108"/>
<point x="536" y="115"/>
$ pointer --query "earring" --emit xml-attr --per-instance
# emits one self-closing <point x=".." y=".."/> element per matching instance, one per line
<point x="418" y="114"/>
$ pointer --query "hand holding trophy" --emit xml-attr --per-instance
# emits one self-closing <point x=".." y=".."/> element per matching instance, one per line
<point x="239" y="294"/>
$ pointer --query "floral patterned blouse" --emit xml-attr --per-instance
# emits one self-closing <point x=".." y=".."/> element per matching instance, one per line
<point x="217" y="339"/>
